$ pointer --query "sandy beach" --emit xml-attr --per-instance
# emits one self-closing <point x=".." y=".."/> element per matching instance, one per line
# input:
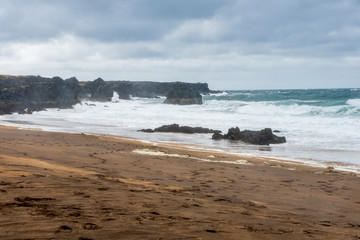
<point x="77" y="186"/>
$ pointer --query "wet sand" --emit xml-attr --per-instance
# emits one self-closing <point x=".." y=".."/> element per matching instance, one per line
<point x="76" y="186"/>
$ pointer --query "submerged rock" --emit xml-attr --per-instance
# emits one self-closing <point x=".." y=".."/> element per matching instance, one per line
<point x="183" y="94"/>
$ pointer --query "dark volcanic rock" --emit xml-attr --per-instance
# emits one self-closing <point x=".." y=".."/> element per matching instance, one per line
<point x="217" y="136"/>
<point x="99" y="90"/>
<point x="143" y="89"/>
<point x="152" y="89"/>
<point x="181" y="129"/>
<point x="148" y="130"/>
<point x="263" y="137"/>
<point x="233" y="134"/>
<point x="24" y="94"/>
<point x="183" y="94"/>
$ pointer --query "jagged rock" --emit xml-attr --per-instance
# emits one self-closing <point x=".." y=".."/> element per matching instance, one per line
<point x="181" y="129"/>
<point x="183" y="94"/>
<point x="99" y="90"/>
<point x="151" y="89"/>
<point x="262" y="137"/>
<point x="233" y="134"/>
<point x="143" y="89"/>
<point x="217" y="136"/>
<point x="25" y="94"/>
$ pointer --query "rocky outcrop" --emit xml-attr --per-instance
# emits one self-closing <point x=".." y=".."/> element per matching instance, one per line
<point x="262" y="137"/>
<point x="152" y="89"/>
<point x="24" y="94"/>
<point x="97" y="90"/>
<point x="125" y="89"/>
<point x="183" y="94"/>
<point x="176" y="128"/>
<point x="217" y="136"/>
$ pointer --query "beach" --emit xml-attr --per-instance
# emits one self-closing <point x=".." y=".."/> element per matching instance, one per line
<point x="79" y="186"/>
<point x="320" y="125"/>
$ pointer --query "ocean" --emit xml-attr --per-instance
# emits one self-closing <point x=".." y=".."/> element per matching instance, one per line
<point x="322" y="126"/>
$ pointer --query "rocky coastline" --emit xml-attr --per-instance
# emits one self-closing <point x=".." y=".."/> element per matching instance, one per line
<point x="25" y="94"/>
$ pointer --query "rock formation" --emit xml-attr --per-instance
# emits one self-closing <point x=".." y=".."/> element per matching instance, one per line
<point x="152" y="89"/>
<point x="262" y="137"/>
<point x="25" y="94"/>
<point x="97" y="90"/>
<point x="181" y="129"/>
<point x="183" y="94"/>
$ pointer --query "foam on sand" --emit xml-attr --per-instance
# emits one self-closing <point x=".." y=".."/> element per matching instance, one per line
<point x="159" y="153"/>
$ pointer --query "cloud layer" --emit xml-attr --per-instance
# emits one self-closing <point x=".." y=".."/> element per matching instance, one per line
<point x="230" y="44"/>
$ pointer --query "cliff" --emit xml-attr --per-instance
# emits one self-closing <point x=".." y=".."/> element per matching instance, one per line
<point x="25" y="94"/>
<point x="143" y="89"/>
<point x="183" y="94"/>
<point x="97" y="90"/>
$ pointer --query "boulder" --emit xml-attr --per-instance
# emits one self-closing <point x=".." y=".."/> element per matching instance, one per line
<point x="233" y="134"/>
<point x="183" y="94"/>
<point x="217" y="136"/>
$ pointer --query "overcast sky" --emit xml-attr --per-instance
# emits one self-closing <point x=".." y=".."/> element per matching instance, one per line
<point x="231" y="44"/>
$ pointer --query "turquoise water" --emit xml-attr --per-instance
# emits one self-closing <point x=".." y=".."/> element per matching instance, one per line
<point x="347" y="99"/>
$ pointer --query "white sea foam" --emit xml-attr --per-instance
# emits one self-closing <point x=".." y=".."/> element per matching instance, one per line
<point x="162" y="154"/>
<point x="217" y="94"/>
<point x="313" y="132"/>
<point x="353" y="102"/>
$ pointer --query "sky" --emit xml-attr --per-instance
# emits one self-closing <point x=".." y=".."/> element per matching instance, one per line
<point x="230" y="44"/>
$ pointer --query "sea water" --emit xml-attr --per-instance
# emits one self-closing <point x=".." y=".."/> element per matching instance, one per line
<point x="322" y="126"/>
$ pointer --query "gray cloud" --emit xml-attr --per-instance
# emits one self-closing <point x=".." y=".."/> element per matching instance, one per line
<point x="220" y="41"/>
<point x="103" y="20"/>
<point x="291" y="27"/>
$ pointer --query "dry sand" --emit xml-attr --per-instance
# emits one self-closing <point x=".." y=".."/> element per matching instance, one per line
<point x="76" y="186"/>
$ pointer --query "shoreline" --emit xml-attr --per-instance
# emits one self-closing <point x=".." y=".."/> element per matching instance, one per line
<point x="336" y="165"/>
<point x="78" y="186"/>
